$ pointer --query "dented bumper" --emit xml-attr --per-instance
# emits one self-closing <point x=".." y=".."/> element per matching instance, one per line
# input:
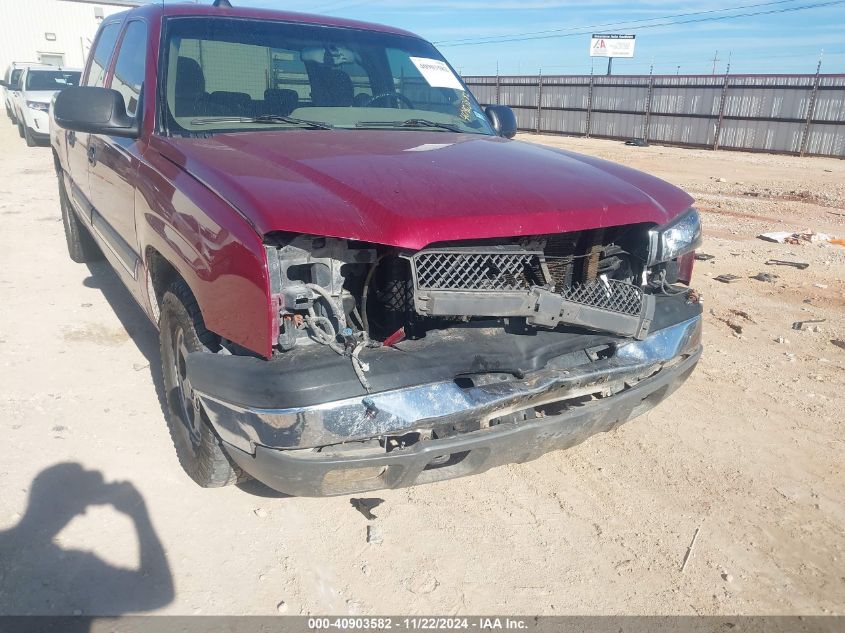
<point x="456" y="427"/>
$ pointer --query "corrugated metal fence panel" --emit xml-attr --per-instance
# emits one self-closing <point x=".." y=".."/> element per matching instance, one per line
<point x="753" y="112"/>
<point x="615" y="125"/>
<point x="830" y="101"/>
<point x="682" y="130"/>
<point x="565" y="121"/>
<point x="826" y="140"/>
<point x="761" y="136"/>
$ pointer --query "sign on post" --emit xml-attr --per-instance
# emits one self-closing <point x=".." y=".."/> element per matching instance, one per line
<point x="612" y="45"/>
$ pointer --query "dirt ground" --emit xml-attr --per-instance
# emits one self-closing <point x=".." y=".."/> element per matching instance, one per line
<point x="97" y="517"/>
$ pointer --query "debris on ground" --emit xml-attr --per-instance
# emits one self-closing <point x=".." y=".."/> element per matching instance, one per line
<point x="799" y="325"/>
<point x="366" y="506"/>
<point x="282" y="607"/>
<point x="727" y="278"/>
<point x="767" y="277"/>
<point x="637" y="142"/>
<point x="731" y="323"/>
<point x="782" y="340"/>
<point x="778" y="237"/>
<point x="787" y="237"/>
<point x="261" y="513"/>
<point x="784" y="262"/>
<point x="374" y="535"/>
<point x="704" y="257"/>
<point x="838" y="343"/>
<point x="690" y="548"/>
<point x="743" y="315"/>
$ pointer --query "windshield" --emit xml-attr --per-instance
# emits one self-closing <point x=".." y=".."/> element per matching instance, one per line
<point x="226" y="74"/>
<point x="51" y="79"/>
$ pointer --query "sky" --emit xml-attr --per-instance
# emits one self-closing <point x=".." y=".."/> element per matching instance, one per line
<point x="782" y="40"/>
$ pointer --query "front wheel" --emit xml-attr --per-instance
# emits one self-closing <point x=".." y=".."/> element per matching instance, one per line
<point x="28" y="137"/>
<point x="20" y="128"/>
<point x="198" y="448"/>
<point x="80" y="245"/>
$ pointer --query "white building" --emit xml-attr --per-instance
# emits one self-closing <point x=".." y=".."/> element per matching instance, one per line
<point x="57" y="32"/>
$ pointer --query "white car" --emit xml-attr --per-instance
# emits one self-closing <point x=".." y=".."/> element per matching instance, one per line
<point x="10" y="82"/>
<point x="36" y="87"/>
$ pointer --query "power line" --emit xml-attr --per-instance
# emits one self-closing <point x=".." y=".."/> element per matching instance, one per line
<point x="493" y="38"/>
<point x="818" y="5"/>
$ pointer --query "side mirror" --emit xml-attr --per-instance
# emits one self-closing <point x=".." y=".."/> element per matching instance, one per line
<point x="95" y="111"/>
<point x="503" y="120"/>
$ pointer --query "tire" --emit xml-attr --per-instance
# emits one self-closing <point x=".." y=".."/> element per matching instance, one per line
<point x="80" y="244"/>
<point x="30" y="140"/>
<point x="20" y="128"/>
<point x="198" y="448"/>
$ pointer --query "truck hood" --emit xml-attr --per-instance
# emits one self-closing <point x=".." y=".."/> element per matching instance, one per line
<point x="41" y="96"/>
<point x="410" y="189"/>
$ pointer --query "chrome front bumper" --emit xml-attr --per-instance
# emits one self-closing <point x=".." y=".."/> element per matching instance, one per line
<point x="450" y="403"/>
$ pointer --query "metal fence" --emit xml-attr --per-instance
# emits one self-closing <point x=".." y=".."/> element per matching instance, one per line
<point x="794" y="114"/>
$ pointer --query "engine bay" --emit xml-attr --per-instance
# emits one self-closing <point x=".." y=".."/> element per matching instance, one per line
<point x="350" y="295"/>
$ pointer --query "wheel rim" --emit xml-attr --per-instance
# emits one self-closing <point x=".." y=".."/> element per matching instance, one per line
<point x="187" y="403"/>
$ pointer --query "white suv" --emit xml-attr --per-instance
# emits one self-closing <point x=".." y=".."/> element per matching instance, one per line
<point x="10" y="85"/>
<point x="31" y="103"/>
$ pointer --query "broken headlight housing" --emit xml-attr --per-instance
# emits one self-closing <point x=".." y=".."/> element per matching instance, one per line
<point x="682" y="235"/>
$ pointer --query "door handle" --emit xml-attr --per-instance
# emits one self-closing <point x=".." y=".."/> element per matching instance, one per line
<point x="92" y="155"/>
<point x="71" y="138"/>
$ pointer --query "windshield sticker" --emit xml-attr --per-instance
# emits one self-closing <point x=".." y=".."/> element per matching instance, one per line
<point x="437" y="73"/>
<point x="466" y="107"/>
<point x="429" y="147"/>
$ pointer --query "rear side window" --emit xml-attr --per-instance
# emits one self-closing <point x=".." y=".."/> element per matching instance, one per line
<point x="129" y="69"/>
<point x="102" y="55"/>
<point x="16" y="77"/>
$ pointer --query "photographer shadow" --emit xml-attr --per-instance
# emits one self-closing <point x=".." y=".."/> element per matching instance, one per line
<point x="39" y="577"/>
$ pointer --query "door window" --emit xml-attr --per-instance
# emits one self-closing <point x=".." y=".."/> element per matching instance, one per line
<point x="102" y="55"/>
<point x="129" y="69"/>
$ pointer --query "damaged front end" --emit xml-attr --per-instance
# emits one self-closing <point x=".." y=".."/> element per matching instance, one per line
<point x="395" y="367"/>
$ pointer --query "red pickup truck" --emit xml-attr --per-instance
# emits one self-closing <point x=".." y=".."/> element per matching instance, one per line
<point x="359" y="279"/>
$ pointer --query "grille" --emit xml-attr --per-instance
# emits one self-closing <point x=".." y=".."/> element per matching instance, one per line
<point x="616" y="296"/>
<point x="480" y="271"/>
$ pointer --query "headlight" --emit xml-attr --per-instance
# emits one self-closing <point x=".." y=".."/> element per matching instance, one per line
<point x="38" y="105"/>
<point x="680" y="236"/>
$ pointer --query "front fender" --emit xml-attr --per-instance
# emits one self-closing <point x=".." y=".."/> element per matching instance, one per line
<point x="215" y="250"/>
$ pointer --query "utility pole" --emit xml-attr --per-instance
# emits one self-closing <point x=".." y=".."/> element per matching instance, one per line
<point x="678" y="70"/>
<point x="714" y="60"/>
<point x="609" y="66"/>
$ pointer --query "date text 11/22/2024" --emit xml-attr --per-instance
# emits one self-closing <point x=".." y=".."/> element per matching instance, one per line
<point x="420" y="623"/>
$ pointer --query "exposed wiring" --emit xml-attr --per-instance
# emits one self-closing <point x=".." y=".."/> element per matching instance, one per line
<point x="365" y="293"/>
<point x="323" y="331"/>
<point x="339" y="315"/>
<point x="667" y="289"/>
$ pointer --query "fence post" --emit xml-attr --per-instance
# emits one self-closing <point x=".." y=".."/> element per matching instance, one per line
<point x="648" y="106"/>
<point x="540" y="102"/>
<point x="589" y="106"/>
<point x="811" y="111"/>
<point x="498" y="88"/>
<point x="722" y="101"/>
